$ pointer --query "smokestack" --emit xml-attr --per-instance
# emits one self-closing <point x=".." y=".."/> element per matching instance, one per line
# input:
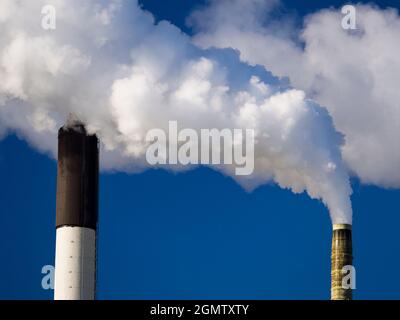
<point x="77" y="212"/>
<point x="342" y="255"/>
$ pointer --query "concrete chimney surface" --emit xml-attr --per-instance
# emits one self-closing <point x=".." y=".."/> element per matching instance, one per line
<point x="342" y="255"/>
<point x="77" y="214"/>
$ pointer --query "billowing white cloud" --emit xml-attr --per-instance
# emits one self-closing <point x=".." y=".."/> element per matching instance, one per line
<point x="122" y="74"/>
<point x="353" y="73"/>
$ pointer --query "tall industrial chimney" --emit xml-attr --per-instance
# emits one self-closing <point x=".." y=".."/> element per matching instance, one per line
<point x="77" y="212"/>
<point x="342" y="255"/>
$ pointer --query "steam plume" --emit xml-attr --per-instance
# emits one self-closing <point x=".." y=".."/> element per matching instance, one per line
<point x="122" y="74"/>
<point x="352" y="73"/>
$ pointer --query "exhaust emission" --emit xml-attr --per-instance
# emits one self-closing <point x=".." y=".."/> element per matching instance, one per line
<point x="77" y="214"/>
<point x="342" y="255"/>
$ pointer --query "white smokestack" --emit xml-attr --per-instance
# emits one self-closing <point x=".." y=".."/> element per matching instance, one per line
<point x="75" y="268"/>
<point x="77" y="214"/>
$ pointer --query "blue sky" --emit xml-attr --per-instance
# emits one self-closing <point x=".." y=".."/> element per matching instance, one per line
<point x="195" y="234"/>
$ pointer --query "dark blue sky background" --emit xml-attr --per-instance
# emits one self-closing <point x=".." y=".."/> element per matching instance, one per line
<point x="197" y="234"/>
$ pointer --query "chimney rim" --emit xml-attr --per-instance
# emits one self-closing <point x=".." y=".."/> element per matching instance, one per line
<point x="342" y="226"/>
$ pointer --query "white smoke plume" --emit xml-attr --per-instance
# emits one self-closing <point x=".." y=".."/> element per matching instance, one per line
<point x="122" y="74"/>
<point x="353" y="73"/>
